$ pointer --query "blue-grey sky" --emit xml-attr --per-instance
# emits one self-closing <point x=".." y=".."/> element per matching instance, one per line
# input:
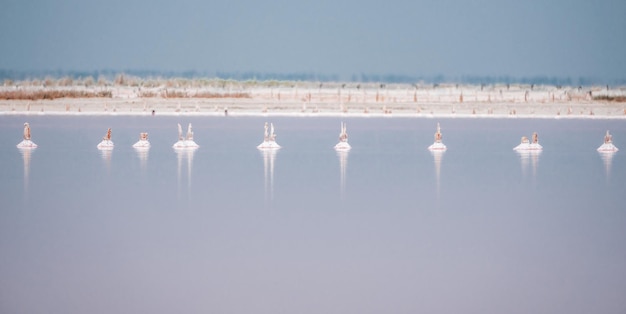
<point x="559" y="38"/>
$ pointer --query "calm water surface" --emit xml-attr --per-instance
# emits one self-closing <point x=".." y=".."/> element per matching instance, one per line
<point x="386" y="228"/>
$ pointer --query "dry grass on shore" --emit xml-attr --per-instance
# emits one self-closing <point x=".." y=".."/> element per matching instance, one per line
<point x="55" y="94"/>
<point x="183" y="94"/>
<point x="610" y="98"/>
<point x="52" y="94"/>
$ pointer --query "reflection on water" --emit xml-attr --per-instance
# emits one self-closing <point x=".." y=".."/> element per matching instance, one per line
<point x="26" y="154"/>
<point x="437" y="156"/>
<point x="269" y="157"/>
<point x="607" y="158"/>
<point x="343" y="164"/>
<point x="106" y="156"/>
<point x="529" y="157"/>
<point x="142" y="153"/>
<point x="184" y="154"/>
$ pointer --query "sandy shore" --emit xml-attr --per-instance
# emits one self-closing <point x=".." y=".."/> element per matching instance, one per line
<point x="311" y="99"/>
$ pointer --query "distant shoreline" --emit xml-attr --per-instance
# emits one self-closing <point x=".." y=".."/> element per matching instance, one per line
<point x="314" y="99"/>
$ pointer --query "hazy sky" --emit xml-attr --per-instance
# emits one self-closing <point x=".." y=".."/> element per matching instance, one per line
<point x="562" y="38"/>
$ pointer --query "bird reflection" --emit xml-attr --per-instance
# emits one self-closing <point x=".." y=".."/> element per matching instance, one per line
<point x="343" y="164"/>
<point x="529" y="157"/>
<point x="437" y="156"/>
<point x="185" y="154"/>
<point x="607" y="158"/>
<point x="106" y="156"/>
<point x="269" y="157"/>
<point x="26" y="155"/>
<point x="142" y="153"/>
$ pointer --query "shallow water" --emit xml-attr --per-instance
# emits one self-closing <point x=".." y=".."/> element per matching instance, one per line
<point x="387" y="227"/>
